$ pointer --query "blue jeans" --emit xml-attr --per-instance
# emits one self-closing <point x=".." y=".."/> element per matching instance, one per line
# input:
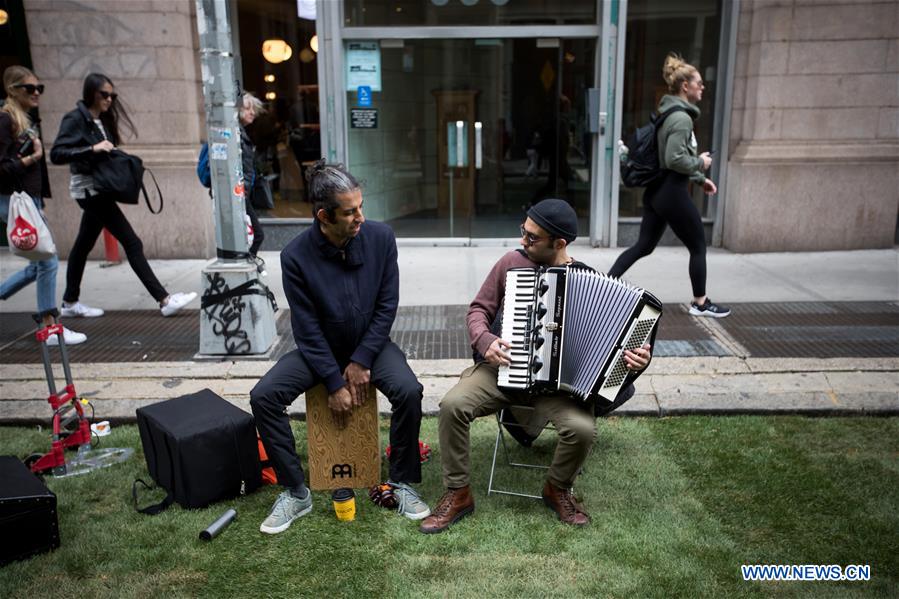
<point x="42" y="271"/>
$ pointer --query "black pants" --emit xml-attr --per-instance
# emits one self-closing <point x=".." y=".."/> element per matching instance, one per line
<point x="292" y="376"/>
<point x="668" y="203"/>
<point x="258" y="233"/>
<point x="102" y="211"/>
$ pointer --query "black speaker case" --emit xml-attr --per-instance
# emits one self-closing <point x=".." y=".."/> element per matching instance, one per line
<point x="28" y="517"/>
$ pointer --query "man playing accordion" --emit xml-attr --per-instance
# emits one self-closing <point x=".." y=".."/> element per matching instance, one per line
<point x="545" y="236"/>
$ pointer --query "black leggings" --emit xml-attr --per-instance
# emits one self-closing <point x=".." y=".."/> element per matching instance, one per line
<point x="102" y="211"/>
<point x="668" y="203"/>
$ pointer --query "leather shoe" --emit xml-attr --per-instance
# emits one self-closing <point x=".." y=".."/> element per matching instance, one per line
<point x="452" y="507"/>
<point x="562" y="502"/>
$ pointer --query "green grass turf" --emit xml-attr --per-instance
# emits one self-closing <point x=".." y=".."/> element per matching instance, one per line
<point x="677" y="505"/>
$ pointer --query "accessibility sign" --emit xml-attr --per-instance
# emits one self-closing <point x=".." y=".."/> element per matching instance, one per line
<point x="363" y="96"/>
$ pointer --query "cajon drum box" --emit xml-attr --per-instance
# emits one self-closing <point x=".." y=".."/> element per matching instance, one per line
<point x="348" y="457"/>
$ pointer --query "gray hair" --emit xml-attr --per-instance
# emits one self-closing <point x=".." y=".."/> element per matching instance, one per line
<point x="250" y="102"/>
<point x="325" y="182"/>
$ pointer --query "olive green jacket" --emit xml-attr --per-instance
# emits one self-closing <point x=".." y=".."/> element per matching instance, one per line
<point x="677" y="144"/>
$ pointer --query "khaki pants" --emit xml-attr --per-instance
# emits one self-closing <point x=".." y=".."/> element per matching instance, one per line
<point x="476" y="394"/>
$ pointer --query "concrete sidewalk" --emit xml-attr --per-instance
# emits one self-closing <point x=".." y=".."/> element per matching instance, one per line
<point x="452" y="275"/>
<point x="856" y="385"/>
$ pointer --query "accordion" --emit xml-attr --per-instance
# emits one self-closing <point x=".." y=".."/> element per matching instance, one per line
<point x="569" y="327"/>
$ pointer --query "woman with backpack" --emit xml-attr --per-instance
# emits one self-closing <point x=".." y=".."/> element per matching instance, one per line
<point x="23" y="168"/>
<point x="86" y="135"/>
<point x="667" y="201"/>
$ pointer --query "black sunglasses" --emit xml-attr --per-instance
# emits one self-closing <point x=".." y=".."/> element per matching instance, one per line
<point x="108" y="95"/>
<point x="30" y="88"/>
<point x="530" y="237"/>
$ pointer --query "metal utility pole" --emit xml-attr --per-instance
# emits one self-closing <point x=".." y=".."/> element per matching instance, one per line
<point x="237" y="315"/>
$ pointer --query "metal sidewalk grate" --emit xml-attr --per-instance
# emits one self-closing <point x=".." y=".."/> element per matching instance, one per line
<point x="118" y="336"/>
<point x="816" y="330"/>
<point x="440" y="333"/>
<point x="819" y="329"/>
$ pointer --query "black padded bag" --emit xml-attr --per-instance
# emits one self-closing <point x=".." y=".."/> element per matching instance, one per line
<point x="122" y="175"/>
<point x="642" y="164"/>
<point x="199" y="448"/>
<point x="28" y="520"/>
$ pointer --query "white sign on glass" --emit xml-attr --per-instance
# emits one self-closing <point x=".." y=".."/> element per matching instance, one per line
<point x="363" y="65"/>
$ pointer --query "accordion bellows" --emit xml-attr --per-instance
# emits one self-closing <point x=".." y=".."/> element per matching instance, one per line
<point x="569" y="328"/>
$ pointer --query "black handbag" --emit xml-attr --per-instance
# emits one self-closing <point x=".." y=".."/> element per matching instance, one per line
<point x="200" y="449"/>
<point x="261" y="195"/>
<point x="122" y="175"/>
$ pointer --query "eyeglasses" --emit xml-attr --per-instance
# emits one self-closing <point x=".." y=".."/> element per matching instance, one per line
<point x="30" y="88"/>
<point x="530" y="238"/>
<point x="108" y="95"/>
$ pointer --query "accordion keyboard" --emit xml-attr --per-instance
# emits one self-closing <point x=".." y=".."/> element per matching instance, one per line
<point x="518" y="310"/>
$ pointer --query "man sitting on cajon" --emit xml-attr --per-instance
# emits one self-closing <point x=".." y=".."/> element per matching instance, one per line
<point x="342" y="283"/>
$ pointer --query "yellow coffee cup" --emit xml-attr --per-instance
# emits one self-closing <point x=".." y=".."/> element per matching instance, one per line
<point x="344" y="504"/>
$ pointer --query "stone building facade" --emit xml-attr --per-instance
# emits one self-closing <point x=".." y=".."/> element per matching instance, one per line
<point x="812" y="160"/>
<point x="814" y="152"/>
<point x="149" y="50"/>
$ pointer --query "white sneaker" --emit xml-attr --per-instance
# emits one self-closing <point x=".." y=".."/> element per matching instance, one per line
<point x="176" y="302"/>
<point x="79" y="310"/>
<point x="70" y="337"/>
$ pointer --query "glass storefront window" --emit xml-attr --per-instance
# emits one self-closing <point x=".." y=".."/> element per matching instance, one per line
<point x="459" y="136"/>
<point x="287" y="136"/>
<point x="399" y="13"/>
<point x="654" y="28"/>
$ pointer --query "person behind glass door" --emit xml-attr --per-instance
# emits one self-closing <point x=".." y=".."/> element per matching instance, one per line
<point x="667" y="200"/>
<point x="24" y="168"/>
<point x="86" y="135"/>
<point x="250" y="108"/>
<point x="555" y="147"/>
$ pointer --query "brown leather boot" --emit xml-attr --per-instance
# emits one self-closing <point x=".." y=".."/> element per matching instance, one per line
<point x="453" y="506"/>
<point x="562" y="502"/>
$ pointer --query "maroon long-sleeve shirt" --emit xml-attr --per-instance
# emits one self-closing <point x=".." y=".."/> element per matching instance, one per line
<point x="488" y="302"/>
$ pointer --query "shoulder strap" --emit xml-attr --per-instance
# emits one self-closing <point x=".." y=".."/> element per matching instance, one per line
<point x="241" y="466"/>
<point x="158" y="192"/>
<point x="660" y="117"/>
<point x="150" y="510"/>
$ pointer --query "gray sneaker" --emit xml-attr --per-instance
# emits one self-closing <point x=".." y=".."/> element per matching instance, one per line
<point x="287" y="508"/>
<point x="409" y="502"/>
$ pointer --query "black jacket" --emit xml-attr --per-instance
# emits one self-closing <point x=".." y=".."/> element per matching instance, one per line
<point x="15" y="176"/>
<point x="342" y="301"/>
<point x="77" y="135"/>
<point x="248" y="160"/>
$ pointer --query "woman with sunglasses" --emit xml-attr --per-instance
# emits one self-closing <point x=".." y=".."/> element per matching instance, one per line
<point x="86" y="135"/>
<point x="24" y="168"/>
